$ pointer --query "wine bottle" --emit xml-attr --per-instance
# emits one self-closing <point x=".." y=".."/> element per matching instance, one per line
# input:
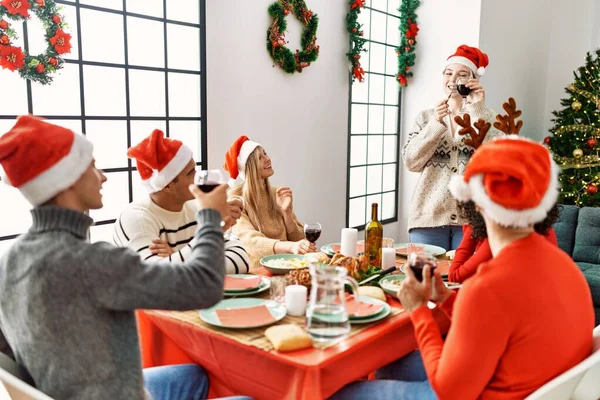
<point x="373" y="238"/>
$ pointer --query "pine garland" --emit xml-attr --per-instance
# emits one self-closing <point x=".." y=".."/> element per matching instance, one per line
<point x="408" y="33"/>
<point x="357" y="41"/>
<point x="281" y="55"/>
<point x="35" y="68"/>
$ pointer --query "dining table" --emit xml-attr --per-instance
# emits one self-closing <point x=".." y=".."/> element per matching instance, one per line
<point x="244" y="362"/>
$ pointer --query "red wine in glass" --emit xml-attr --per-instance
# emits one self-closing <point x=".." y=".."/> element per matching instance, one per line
<point x="463" y="90"/>
<point x="312" y="231"/>
<point x="418" y="261"/>
<point x="312" y="235"/>
<point x="207" y="187"/>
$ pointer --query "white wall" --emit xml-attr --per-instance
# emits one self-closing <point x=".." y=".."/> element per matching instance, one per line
<point x="300" y="119"/>
<point x="567" y="51"/>
<point x="439" y="36"/>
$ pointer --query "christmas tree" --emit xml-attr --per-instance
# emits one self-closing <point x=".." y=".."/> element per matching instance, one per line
<point x="574" y="140"/>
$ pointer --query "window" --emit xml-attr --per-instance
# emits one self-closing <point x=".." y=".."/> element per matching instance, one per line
<point x="136" y="65"/>
<point x="374" y="120"/>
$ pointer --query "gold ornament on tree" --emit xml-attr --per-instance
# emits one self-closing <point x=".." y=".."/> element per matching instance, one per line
<point x="576" y="105"/>
<point x="577" y="153"/>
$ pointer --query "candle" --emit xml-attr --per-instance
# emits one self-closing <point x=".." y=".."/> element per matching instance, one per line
<point x="348" y="242"/>
<point x="295" y="300"/>
<point x="388" y="258"/>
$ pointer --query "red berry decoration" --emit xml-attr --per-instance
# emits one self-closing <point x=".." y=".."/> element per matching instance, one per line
<point x="3" y="24"/>
<point x="592" y="142"/>
<point x="592" y="189"/>
<point x="547" y="140"/>
<point x="40" y="68"/>
<point x="40" y="3"/>
<point x="4" y="40"/>
<point x="56" y="19"/>
<point x="53" y="61"/>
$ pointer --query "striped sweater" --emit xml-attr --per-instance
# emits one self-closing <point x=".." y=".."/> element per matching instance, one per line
<point x="437" y="154"/>
<point x="143" y="221"/>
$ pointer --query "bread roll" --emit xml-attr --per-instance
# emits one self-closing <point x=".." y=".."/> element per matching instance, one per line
<point x="288" y="337"/>
<point x="372" y="291"/>
<point x="318" y="257"/>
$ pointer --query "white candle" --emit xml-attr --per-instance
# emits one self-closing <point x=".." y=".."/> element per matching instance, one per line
<point x="295" y="300"/>
<point x="388" y="257"/>
<point x="348" y="242"/>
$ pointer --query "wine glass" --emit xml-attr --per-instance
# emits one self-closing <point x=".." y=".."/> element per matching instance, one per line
<point x="464" y="91"/>
<point x="207" y="180"/>
<point x="312" y="231"/>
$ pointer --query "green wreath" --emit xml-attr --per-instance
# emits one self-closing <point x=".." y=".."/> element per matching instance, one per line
<point x="280" y="54"/>
<point x="35" y="68"/>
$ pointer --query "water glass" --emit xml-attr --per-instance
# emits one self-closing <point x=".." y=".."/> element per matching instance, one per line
<point x="277" y="291"/>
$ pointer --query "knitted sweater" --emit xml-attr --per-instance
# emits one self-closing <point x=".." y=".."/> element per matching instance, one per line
<point x="525" y="317"/>
<point x="67" y="306"/>
<point x="142" y="221"/>
<point x="472" y="252"/>
<point x="260" y="244"/>
<point x="432" y="150"/>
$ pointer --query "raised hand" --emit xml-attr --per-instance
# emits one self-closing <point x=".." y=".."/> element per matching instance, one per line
<point x="285" y="199"/>
<point x="477" y="92"/>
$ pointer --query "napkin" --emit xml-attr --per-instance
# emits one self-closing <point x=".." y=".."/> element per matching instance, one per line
<point x="361" y="309"/>
<point x="238" y="283"/>
<point x="246" y="316"/>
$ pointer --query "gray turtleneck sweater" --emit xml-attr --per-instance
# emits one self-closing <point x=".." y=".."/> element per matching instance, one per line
<point x="67" y="306"/>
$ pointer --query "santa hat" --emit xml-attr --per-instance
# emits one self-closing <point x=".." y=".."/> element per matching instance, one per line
<point x="42" y="159"/>
<point x="237" y="156"/>
<point x="513" y="179"/>
<point x="470" y="57"/>
<point x="159" y="160"/>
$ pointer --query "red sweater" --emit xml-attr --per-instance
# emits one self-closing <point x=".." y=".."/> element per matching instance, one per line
<point x="525" y="317"/>
<point x="472" y="252"/>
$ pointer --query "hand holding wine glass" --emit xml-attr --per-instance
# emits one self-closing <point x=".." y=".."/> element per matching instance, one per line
<point x="477" y="93"/>
<point x="207" y="180"/>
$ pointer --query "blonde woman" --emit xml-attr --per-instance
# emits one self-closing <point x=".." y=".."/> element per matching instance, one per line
<point x="268" y="224"/>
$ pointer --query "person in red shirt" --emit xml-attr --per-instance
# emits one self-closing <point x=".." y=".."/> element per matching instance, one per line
<point x="474" y="247"/>
<point x="525" y="317"/>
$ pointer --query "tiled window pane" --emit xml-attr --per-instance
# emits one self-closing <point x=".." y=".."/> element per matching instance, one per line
<point x="142" y="129"/>
<point x="391" y="91"/>
<point x="360" y="92"/>
<point x="376" y="88"/>
<point x="374" y="178"/>
<point x="388" y="206"/>
<point x="184" y="95"/>
<point x="358" y="181"/>
<point x="114" y="4"/>
<point x="393" y="34"/>
<point x="184" y="10"/>
<point x="379" y="5"/>
<point x="357" y="211"/>
<point x="391" y="61"/>
<point x="14" y="212"/>
<point x="104" y="91"/>
<point x="358" y="150"/>
<point x="145" y="42"/>
<point x="183" y="47"/>
<point x="375" y="149"/>
<point x="364" y="18"/>
<point x="147" y="93"/>
<point x="359" y="119"/>
<point x="391" y="120"/>
<point x="189" y="133"/>
<point x="96" y="45"/>
<point x="110" y="143"/>
<point x="378" y="26"/>
<point x="70" y="14"/>
<point x="15" y="85"/>
<point x="153" y="8"/>
<point x="66" y="82"/>
<point x="389" y="177"/>
<point x="139" y="191"/>
<point x="377" y="58"/>
<point x="376" y="119"/>
<point x="389" y="148"/>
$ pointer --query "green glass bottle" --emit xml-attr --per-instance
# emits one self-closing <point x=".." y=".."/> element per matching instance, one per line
<point x="373" y="238"/>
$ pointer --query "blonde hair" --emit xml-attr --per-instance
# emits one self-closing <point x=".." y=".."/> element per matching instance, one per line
<point x="257" y="191"/>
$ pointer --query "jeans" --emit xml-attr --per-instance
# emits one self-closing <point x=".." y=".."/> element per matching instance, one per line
<point x="179" y="382"/>
<point x="404" y="379"/>
<point x="447" y="237"/>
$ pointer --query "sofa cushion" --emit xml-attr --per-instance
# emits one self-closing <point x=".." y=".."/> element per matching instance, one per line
<point x="587" y="236"/>
<point x="592" y="275"/>
<point x="565" y="228"/>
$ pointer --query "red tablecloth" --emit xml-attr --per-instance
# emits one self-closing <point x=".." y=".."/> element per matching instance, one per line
<point x="305" y="375"/>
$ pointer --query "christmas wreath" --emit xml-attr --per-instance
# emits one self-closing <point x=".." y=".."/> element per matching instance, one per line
<point x="35" y="68"/>
<point x="357" y="42"/>
<point x="408" y="33"/>
<point x="280" y="54"/>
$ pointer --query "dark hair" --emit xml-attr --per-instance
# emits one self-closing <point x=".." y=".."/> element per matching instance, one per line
<point x="475" y="219"/>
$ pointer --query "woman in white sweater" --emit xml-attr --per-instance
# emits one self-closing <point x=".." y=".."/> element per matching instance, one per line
<point x="436" y="150"/>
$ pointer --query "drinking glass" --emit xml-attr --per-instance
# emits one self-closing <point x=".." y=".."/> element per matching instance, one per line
<point x="207" y="180"/>
<point x="277" y="290"/>
<point x="464" y="91"/>
<point x="312" y="231"/>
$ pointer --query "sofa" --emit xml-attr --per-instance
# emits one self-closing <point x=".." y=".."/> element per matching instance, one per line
<point x="578" y="234"/>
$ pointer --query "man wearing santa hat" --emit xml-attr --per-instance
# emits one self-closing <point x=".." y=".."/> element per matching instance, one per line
<point x="525" y="317"/>
<point x="67" y="305"/>
<point x="163" y="224"/>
